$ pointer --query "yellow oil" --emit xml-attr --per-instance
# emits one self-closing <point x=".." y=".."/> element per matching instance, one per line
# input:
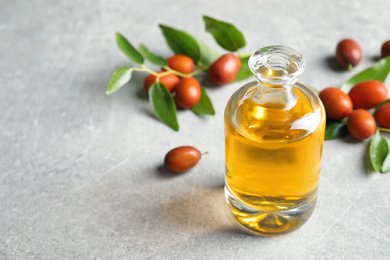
<point x="273" y="157"/>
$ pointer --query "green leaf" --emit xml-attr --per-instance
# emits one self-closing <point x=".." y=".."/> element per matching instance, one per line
<point x="181" y="42"/>
<point x="207" y="54"/>
<point x="335" y="129"/>
<point x="163" y="104"/>
<point x="245" y="72"/>
<point x="128" y="49"/>
<point x="379" y="148"/>
<point x="204" y="106"/>
<point x="226" y="34"/>
<point x="153" y="58"/>
<point x="120" y="77"/>
<point x="378" y="71"/>
<point x="386" y="164"/>
<point x="379" y="105"/>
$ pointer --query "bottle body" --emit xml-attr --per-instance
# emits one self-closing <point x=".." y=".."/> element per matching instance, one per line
<point x="273" y="150"/>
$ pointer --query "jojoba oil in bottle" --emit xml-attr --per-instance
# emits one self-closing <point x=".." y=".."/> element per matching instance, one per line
<point x="274" y="134"/>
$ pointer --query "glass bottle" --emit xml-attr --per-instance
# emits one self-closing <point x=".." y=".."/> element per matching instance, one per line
<point x="274" y="133"/>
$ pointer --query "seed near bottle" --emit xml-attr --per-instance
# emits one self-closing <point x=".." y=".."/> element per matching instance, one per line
<point x="338" y="105"/>
<point x="181" y="159"/>
<point x="225" y="69"/>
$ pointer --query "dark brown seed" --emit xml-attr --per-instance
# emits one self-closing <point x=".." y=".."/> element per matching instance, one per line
<point x="348" y="53"/>
<point x="182" y="158"/>
<point x="385" y="50"/>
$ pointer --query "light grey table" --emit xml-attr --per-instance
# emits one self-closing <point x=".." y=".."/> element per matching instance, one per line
<point x="80" y="174"/>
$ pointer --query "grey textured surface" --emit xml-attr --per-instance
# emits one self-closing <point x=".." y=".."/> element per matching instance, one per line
<point x="80" y="174"/>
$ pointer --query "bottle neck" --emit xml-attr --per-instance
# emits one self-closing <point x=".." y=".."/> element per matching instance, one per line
<point x="274" y="96"/>
<point x="277" y="69"/>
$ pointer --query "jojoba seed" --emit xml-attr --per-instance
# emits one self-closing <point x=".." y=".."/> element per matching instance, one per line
<point x="188" y="92"/>
<point x="169" y="81"/>
<point x="385" y="50"/>
<point x="368" y="94"/>
<point x="361" y="124"/>
<point x="182" y="158"/>
<point x="383" y="115"/>
<point x="348" y="53"/>
<point x="225" y="69"/>
<point x="338" y="105"/>
<point x="181" y="63"/>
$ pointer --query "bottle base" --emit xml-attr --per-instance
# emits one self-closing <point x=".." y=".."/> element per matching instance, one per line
<point x="269" y="223"/>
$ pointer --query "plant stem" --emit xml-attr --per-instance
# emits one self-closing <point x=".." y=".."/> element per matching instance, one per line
<point x="183" y="75"/>
<point x="146" y="69"/>
<point x="383" y="129"/>
<point x="243" y="55"/>
<point x="170" y="71"/>
<point x="239" y="53"/>
<point x="202" y="67"/>
<point x="313" y="88"/>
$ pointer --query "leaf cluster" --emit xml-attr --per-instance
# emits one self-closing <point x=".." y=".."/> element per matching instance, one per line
<point x="379" y="148"/>
<point x="180" y="42"/>
<point x="379" y="71"/>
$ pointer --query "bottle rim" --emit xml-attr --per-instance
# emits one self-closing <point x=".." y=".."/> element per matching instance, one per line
<point x="285" y="60"/>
